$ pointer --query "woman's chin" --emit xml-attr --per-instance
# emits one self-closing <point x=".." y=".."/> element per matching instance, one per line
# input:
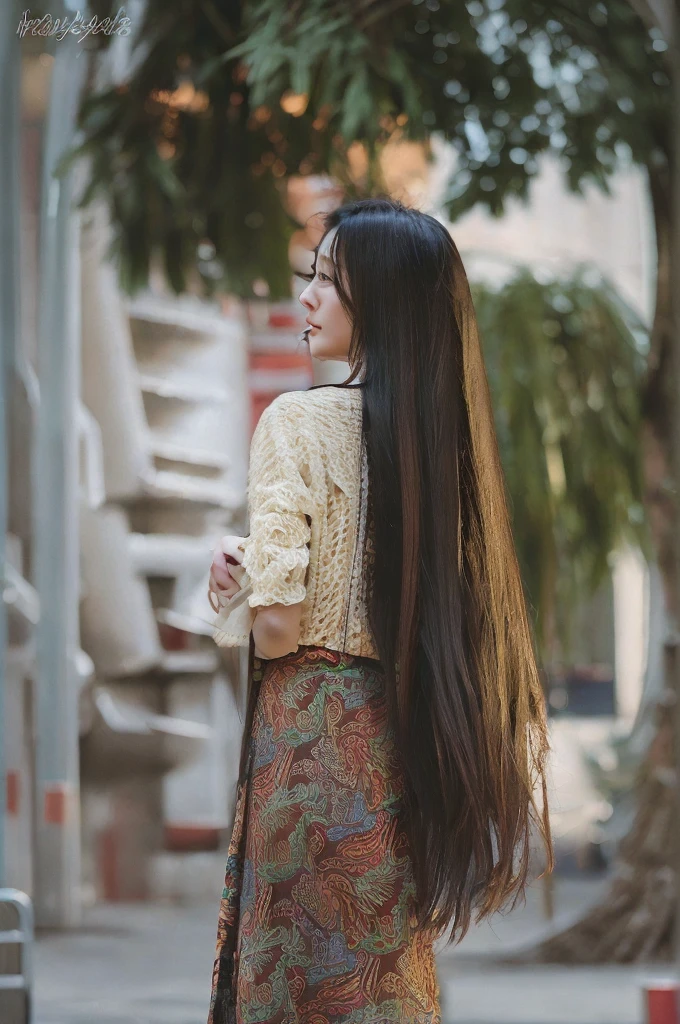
<point x="327" y="352"/>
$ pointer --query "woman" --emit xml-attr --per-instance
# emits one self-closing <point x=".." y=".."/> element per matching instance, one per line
<point x="395" y="734"/>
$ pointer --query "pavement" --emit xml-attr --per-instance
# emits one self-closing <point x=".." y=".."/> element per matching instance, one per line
<point x="477" y="990"/>
<point x="151" y="964"/>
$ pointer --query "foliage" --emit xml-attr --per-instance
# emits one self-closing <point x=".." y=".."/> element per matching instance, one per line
<point x="186" y="177"/>
<point x="226" y="99"/>
<point x="503" y="80"/>
<point x="565" y="360"/>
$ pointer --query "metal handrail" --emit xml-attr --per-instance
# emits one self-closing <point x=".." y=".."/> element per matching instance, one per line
<point x="24" y="935"/>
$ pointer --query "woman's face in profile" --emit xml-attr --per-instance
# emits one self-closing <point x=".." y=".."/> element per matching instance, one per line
<point x="331" y="332"/>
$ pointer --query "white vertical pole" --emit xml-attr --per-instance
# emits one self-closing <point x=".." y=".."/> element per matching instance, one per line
<point x="9" y="325"/>
<point x="671" y="11"/>
<point x="55" y="526"/>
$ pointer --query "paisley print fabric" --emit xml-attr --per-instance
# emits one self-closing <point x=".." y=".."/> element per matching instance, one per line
<point x="316" y="922"/>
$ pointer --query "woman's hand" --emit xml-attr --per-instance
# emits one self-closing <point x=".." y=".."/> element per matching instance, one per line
<point x="222" y="585"/>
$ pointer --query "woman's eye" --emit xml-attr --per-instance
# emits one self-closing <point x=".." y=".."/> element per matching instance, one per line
<point x="310" y="277"/>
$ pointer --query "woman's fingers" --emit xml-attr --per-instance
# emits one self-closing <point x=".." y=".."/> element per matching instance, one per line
<point x="218" y="595"/>
<point x="222" y="585"/>
<point x="221" y="576"/>
<point x="229" y="545"/>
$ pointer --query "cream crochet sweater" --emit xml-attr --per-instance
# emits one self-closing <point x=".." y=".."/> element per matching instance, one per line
<point x="308" y="522"/>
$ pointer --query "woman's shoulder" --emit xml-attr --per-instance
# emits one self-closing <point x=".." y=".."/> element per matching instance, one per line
<point x="300" y="408"/>
<point x="318" y="395"/>
<point x="318" y="427"/>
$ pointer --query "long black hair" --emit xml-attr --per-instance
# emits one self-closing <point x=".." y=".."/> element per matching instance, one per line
<point x="447" y="607"/>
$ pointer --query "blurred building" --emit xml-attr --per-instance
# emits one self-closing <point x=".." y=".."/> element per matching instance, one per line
<point x="129" y="429"/>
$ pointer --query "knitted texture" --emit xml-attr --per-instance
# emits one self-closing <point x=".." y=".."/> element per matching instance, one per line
<point x="309" y="535"/>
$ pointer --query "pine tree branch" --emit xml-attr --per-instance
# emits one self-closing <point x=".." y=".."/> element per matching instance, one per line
<point x="369" y="6"/>
<point x="655" y="13"/>
<point x="391" y="7"/>
<point x="222" y="27"/>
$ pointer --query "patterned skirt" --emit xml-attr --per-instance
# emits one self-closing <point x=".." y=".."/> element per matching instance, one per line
<point x="316" y="922"/>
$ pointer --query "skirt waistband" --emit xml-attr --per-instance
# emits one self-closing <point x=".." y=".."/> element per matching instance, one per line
<point x="315" y="653"/>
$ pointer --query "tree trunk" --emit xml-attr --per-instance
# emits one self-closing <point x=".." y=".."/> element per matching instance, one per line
<point x="634" y="920"/>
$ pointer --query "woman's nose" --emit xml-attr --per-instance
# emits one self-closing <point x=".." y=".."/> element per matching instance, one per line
<point x="305" y="298"/>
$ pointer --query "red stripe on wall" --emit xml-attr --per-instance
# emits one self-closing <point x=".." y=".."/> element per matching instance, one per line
<point x="13" y="792"/>
<point x="108" y="864"/>
<point x="192" y="838"/>
<point x="55" y="804"/>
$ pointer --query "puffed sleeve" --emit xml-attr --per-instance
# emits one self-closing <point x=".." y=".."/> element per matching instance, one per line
<point x="280" y="509"/>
